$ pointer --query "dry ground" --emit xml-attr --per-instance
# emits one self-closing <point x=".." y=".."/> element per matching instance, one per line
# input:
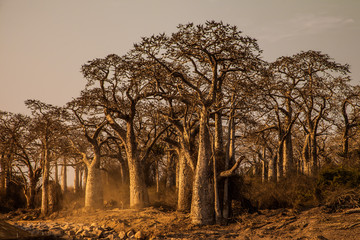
<point x="159" y="223"/>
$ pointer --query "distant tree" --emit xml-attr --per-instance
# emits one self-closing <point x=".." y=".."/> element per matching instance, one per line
<point x="350" y="105"/>
<point x="49" y="127"/>
<point x="88" y="122"/>
<point x="123" y="87"/>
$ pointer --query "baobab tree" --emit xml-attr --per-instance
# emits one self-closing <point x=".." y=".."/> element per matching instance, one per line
<point x="123" y="87"/>
<point x="49" y="126"/>
<point x="87" y="120"/>
<point x="317" y="77"/>
<point x="198" y="60"/>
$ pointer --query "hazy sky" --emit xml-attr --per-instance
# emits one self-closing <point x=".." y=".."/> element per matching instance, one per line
<point x="44" y="43"/>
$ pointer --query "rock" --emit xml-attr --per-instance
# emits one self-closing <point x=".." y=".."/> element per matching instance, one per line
<point x="130" y="233"/>
<point x="113" y="237"/>
<point x="122" y="235"/>
<point x="98" y="233"/>
<point x="78" y="232"/>
<point x="86" y="234"/>
<point x="139" y="235"/>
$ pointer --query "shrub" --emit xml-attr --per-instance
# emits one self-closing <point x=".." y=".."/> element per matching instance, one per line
<point x="332" y="178"/>
<point x="297" y="192"/>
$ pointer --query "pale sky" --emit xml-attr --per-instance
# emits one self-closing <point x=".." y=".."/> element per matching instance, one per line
<point x="44" y="43"/>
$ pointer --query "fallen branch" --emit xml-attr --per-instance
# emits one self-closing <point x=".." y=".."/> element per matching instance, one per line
<point x="231" y="172"/>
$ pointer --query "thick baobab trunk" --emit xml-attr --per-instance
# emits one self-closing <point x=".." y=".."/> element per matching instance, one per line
<point x="30" y="199"/>
<point x="93" y="190"/>
<point x="202" y="205"/>
<point x="45" y="184"/>
<point x="170" y="171"/>
<point x="124" y="170"/>
<point x="273" y="169"/>
<point x="289" y="166"/>
<point x="138" y="192"/>
<point x="64" y="176"/>
<point x="185" y="184"/>
<point x="288" y="154"/>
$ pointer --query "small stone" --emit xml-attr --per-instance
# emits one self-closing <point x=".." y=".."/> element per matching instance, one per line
<point x="85" y="234"/>
<point x="122" y="235"/>
<point x="130" y="233"/>
<point x="139" y="235"/>
<point x="98" y="233"/>
<point x="78" y="232"/>
<point x="113" y="237"/>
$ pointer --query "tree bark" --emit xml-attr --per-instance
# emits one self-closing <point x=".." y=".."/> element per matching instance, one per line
<point x="280" y="161"/>
<point x="202" y="205"/>
<point x="138" y="193"/>
<point x="93" y="190"/>
<point x="273" y="168"/>
<point x="185" y="183"/>
<point x="229" y="160"/>
<point x="45" y="183"/>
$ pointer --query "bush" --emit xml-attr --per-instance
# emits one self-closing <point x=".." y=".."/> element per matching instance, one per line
<point x="298" y="192"/>
<point x="332" y="178"/>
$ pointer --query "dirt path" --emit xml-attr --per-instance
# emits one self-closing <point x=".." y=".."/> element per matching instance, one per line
<point x="155" y="223"/>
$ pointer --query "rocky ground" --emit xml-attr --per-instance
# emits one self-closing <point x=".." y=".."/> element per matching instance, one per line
<point x="159" y="223"/>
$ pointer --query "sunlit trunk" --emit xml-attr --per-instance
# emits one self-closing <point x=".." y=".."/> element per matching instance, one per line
<point x="202" y="205"/>
<point x="289" y="165"/>
<point x="185" y="184"/>
<point x="94" y="187"/>
<point x="273" y="169"/>
<point x="138" y="192"/>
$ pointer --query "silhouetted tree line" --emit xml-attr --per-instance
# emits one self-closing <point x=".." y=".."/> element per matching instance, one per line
<point x="191" y="109"/>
